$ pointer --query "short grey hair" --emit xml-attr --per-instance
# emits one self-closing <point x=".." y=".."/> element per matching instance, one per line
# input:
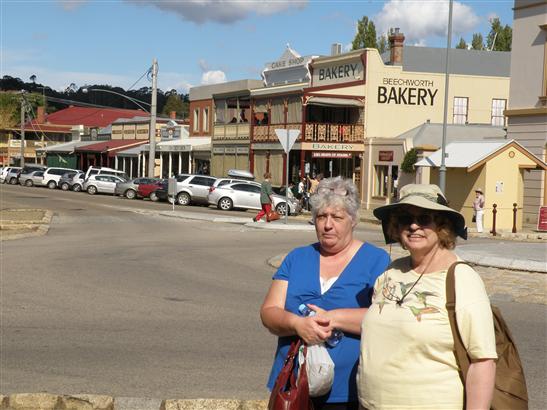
<point x="349" y="202"/>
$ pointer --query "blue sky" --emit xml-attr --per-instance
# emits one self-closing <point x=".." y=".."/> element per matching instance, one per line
<point x="205" y="41"/>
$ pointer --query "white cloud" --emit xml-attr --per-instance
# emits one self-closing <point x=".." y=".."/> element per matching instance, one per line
<point x="213" y="77"/>
<point x="221" y="11"/>
<point x="70" y="5"/>
<point x="420" y="20"/>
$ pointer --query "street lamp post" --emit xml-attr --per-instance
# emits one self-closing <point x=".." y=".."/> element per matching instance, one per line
<point x="442" y="169"/>
<point x="152" y="112"/>
<point x="23" y="117"/>
<point x="153" y="107"/>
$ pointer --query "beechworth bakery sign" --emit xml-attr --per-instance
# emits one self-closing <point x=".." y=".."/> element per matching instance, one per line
<point x="404" y="91"/>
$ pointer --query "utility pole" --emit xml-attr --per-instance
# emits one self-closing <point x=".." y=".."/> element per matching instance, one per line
<point x="23" y="107"/>
<point x="442" y="170"/>
<point x="153" y="108"/>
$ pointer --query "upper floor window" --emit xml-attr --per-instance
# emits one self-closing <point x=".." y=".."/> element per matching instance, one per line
<point x="196" y="119"/>
<point x="498" y="106"/>
<point x="460" y="110"/>
<point x="206" y="119"/>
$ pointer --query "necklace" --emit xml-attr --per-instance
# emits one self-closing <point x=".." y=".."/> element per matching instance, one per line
<point x="399" y="301"/>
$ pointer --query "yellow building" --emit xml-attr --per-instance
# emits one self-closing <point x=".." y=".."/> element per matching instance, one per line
<point x="498" y="167"/>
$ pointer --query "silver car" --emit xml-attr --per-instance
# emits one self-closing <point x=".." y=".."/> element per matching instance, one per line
<point x="246" y="195"/>
<point x="76" y="183"/>
<point x="193" y="188"/>
<point x="102" y="184"/>
<point x="129" y="188"/>
<point x="32" y="178"/>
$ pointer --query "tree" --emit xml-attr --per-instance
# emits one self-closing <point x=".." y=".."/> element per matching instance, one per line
<point x="175" y="103"/>
<point x="462" y="44"/>
<point x="365" y="36"/>
<point x="500" y="37"/>
<point x="33" y="78"/>
<point x="383" y="45"/>
<point x="477" y="43"/>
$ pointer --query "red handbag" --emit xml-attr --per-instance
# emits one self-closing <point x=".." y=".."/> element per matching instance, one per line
<point x="291" y="392"/>
<point x="272" y="216"/>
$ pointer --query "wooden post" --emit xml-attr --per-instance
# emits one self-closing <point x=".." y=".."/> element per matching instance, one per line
<point x="514" y="230"/>
<point x="494" y="212"/>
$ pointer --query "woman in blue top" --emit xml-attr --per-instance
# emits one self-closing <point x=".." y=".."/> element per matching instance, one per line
<point x="335" y="278"/>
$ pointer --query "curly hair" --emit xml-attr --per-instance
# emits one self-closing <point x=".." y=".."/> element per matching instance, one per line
<point x="444" y="227"/>
<point x="350" y="201"/>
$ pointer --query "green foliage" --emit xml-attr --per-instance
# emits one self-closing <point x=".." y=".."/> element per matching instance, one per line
<point x="500" y="37"/>
<point x="383" y="44"/>
<point x="175" y="103"/>
<point x="366" y="35"/>
<point x="411" y="157"/>
<point x="477" y="43"/>
<point x="462" y="44"/>
<point x="10" y="107"/>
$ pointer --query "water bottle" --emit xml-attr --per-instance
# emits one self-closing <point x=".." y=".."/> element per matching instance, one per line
<point x="336" y="334"/>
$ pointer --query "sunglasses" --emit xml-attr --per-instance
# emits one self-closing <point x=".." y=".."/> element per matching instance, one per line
<point x="408" y="219"/>
<point x="337" y="191"/>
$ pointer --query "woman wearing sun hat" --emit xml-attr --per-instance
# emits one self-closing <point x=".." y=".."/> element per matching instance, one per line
<point x="478" y="208"/>
<point x="407" y="359"/>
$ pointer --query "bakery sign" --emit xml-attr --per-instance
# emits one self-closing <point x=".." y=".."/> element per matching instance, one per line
<point x="385" y="156"/>
<point x="406" y="91"/>
<point x="327" y="146"/>
<point x="338" y="72"/>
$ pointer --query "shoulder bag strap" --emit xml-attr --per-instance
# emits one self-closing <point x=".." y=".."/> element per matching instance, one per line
<point x="459" y="349"/>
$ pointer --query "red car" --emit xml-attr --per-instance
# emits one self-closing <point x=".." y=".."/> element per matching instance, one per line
<point x="148" y="190"/>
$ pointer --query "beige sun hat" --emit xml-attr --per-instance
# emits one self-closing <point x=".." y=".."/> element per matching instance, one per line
<point x="426" y="196"/>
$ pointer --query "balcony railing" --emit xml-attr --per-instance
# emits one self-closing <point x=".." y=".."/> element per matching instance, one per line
<point x="314" y="132"/>
<point x="239" y="131"/>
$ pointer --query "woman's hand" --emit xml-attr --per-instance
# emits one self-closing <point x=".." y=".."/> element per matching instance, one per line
<point x="313" y="329"/>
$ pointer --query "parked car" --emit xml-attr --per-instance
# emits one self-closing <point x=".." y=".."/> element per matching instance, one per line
<point x="76" y="183"/>
<point x="129" y="188"/>
<point x="31" y="178"/>
<point x="10" y="175"/>
<point x="246" y="195"/>
<point x="102" y="184"/>
<point x="105" y="171"/>
<point x="193" y="188"/>
<point x="66" y="178"/>
<point x="52" y="175"/>
<point x="149" y="190"/>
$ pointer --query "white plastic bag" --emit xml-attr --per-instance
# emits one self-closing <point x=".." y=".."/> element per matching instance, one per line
<point x="320" y="369"/>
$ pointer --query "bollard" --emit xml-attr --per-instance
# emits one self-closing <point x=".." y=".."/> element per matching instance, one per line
<point x="514" y="230"/>
<point x="494" y="212"/>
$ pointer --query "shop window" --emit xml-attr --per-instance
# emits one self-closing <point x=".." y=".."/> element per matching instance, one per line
<point x="196" y="119"/>
<point x="380" y="183"/>
<point x="498" y="106"/>
<point x="460" y="110"/>
<point x="206" y="119"/>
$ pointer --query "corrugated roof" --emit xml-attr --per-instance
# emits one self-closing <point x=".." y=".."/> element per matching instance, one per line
<point x="111" y="146"/>
<point x="66" y="147"/>
<point x="463" y="154"/>
<point x="89" y="117"/>
<point x="465" y="62"/>
<point x="430" y="134"/>
<point x="131" y="152"/>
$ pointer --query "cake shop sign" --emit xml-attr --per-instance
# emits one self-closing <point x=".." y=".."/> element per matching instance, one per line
<point x="403" y="91"/>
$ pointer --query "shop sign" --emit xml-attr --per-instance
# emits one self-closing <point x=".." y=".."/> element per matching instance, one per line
<point x="385" y="156"/>
<point x="340" y="72"/>
<point x="329" y="154"/>
<point x="289" y="62"/>
<point x="542" y="219"/>
<point x="242" y="150"/>
<point x="405" y="91"/>
<point x="325" y="146"/>
<point x="16" y="143"/>
<point x="230" y="150"/>
<point x="218" y="150"/>
<point x="174" y="148"/>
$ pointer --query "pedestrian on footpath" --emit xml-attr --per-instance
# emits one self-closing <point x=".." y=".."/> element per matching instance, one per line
<point x="266" y="193"/>
<point x="407" y="347"/>
<point x="478" y="208"/>
<point x="332" y="277"/>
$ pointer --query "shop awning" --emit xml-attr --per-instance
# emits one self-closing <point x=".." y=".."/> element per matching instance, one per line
<point x="335" y="102"/>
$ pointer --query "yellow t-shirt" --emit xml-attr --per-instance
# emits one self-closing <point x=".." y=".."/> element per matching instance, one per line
<point x="407" y="359"/>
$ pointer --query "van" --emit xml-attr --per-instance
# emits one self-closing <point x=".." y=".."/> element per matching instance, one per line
<point x="105" y="171"/>
<point x="52" y="175"/>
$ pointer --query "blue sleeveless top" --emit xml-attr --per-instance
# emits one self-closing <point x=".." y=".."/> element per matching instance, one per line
<point x="352" y="289"/>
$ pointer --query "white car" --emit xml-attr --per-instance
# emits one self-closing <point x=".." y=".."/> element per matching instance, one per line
<point x="246" y="195"/>
<point x="9" y="173"/>
<point x="52" y="176"/>
<point x="102" y="184"/>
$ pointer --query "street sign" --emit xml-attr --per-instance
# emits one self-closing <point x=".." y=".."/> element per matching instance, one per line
<point x="287" y="141"/>
<point x="172" y="186"/>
